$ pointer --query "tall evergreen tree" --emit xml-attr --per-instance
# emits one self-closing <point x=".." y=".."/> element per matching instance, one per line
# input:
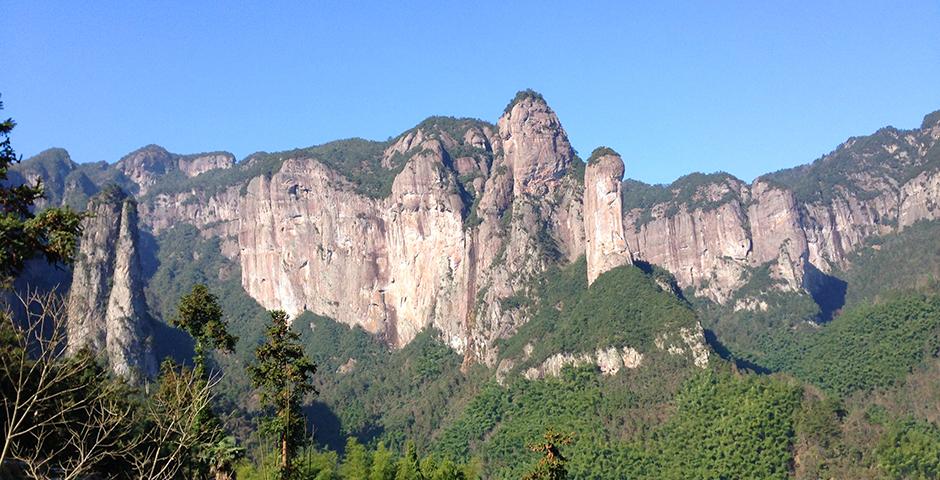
<point x="284" y="375"/>
<point x="355" y="464"/>
<point x="200" y="315"/>
<point x="408" y="466"/>
<point x="383" y="465"/>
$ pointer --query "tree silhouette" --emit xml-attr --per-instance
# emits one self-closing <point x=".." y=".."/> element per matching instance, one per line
<point x="284" y="375"/>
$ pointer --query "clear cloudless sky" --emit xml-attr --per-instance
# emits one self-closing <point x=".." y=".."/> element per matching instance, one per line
<point x="746" y="87"/>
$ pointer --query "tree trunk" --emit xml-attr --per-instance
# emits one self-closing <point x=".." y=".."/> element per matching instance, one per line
<point x="285" y="463"/>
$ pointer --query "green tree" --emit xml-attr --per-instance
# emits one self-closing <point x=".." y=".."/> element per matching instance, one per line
<point x="910" y="450"/>
<point x="355" y="464"/>
<point x="552" y="464"/>
<point x="52" y="234"/>
<point x="222" y="456"/>
<point x="200" y="315"/>
<point x="383" y="466"/>
<point x="409" y="467"/>
<point x="284" y="375"/>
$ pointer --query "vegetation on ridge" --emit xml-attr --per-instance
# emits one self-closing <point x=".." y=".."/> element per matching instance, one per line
<point x="601" y="152"/>
<point x="523" y="95"/>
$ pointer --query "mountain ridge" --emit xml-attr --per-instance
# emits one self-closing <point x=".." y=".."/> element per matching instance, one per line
<point x="503" y="202"/>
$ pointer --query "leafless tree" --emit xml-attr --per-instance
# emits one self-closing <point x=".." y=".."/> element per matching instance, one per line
<point x="73" y="449"/>
<point x="43" y="394"/>
<point x="175" y="411"/>
<point x="55" y="423"/>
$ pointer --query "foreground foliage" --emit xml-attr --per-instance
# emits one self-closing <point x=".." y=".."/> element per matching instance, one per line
<point x="24" y="234"/>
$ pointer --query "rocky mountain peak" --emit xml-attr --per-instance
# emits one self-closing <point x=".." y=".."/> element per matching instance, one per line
<point x="145" y="165"/>
<point x="931" y="124"/>
<point x="535" y="146"/>
<point x="106" y="308"/>
<point x="931" y="120"/>
<point x="51" y="166"/>
<point x="605" y="244"/>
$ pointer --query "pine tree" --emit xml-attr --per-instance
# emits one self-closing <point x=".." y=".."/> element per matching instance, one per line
<point x="383" y="467"/>
<point x="355" y="464"/>
<point x="552" y="464"/>
<point x="284" y="375"/>
<point x="408" y="466"/>
<point x="200" y="315"/>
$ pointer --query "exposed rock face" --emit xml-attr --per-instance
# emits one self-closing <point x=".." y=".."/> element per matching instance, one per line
<point x="776" y="232"/>
<point x="605" y="244"/>
<point x="215" y="214"/>
<point x="608" y="360"/>
<point x="146" y="166"/>
<point x="393" y="266"/>
<point x="473" y="212"/>
<point x="399" y="264"/>
<point x="706" y="248"/>
<point x="688" y="342"/>
<point x="192" y="165"/>
<point x="535" y="146"/>
<point x="710" y="239"/>
<point x="106" y="309"/>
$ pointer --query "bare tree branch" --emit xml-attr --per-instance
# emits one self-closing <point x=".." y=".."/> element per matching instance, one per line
<point x="175" y="411"/>
<point x="54" y="422"/>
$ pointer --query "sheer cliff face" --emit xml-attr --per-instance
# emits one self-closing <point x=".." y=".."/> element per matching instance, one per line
<point x="605" y="242"/>
<point x="106" y="308"/>
<point x="399" y="264"/>
<point x="801" y="221"/>
<point x="473" y="212"/>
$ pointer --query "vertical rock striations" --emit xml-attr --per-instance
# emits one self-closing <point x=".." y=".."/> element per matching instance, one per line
<point x="450" y="224"/>
<point x="711" y="231"/>
<point x="106" y="309"/>
<point x="472" y="216"/>
<point x="605" y="245"/>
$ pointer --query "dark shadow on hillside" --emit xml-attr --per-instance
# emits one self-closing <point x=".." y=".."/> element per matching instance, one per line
<point x="827" y="291"/>
<point x="171" y="342"/>
<point x="168" y="341"/>
<point x="728" y="355"/>
<point x="650" y="270"/>
<point x="147" y="249"/>
<point x="327" y="428"/>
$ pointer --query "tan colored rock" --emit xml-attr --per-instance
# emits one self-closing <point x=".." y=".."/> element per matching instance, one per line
<point x="920" y="199"/>
<point x="608" y="360"/>
<point x="400" y="264"/>
<point x="605" y="244"/>
<point x="214" y="214"/>
<point x="192" y="165"/>
<point x="535" y="146"/>
<point x="146" y="166"/>
<point x="703" y="248"/>
<point x="776" y="232"/>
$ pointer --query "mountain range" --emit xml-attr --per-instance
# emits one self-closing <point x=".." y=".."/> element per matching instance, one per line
<point x="441" y="224"/>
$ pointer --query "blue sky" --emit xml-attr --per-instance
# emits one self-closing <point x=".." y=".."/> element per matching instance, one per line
<point x="745" y="87"/>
